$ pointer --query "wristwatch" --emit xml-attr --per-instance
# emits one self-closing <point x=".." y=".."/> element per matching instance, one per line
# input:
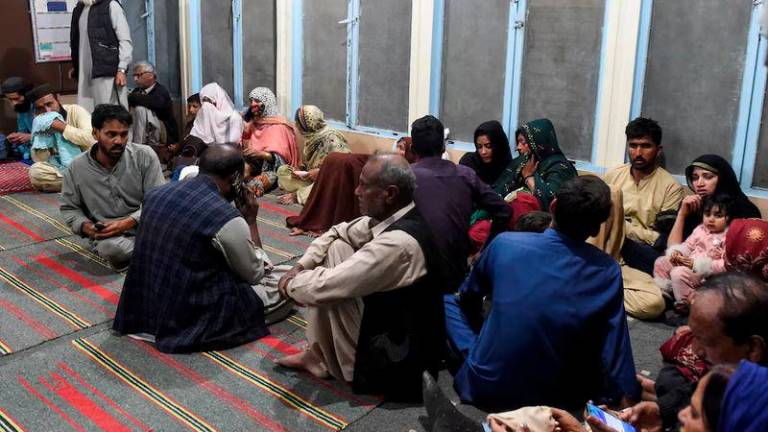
<point x="121" y="70"/>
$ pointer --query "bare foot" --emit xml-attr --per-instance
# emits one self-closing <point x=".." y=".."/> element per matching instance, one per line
<point x="289" y="198"/>
<point x="304" y="360"/>
<point x="296" y="231"/>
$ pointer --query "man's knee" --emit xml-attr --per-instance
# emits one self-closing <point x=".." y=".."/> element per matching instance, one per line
<point x="45" y="177"/>
<point x="644" y="305"/>
<point x="338" y="252"/>
<point x="116" y="250"/>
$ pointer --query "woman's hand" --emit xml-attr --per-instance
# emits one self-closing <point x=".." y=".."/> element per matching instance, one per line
<point x="690" y="204"/>
<point x="530" y="168"/>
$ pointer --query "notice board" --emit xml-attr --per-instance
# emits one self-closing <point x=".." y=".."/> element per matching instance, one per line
<point x="50" y="29"/>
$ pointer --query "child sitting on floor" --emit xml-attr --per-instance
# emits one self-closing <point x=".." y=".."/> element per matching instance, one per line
<point x="686" y="265"/>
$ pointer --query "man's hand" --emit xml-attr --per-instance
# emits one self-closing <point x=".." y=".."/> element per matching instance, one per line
<point x="566" y="422"/>
<point x="58" y="126"/>
<point x="645" y="416"/>
<point x="250" y="207"/>
<point x="282" y="284"/>
<point x="649" y="388"/>
<point x="598" y="426"/>
<point x="251" y="153"/>
<point x="19" y="138"/>
<point x="690" y="204"/>
<point x="115" y="228"/>
<point x="88" y="229"/>
<point x="120" y="79"/>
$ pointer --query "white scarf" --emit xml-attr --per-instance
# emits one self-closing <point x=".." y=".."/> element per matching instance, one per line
<point x="88" y="2"/>
<point x="217" y="122"/>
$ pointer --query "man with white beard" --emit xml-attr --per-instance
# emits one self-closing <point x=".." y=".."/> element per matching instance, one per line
<point x="102" y="49"/>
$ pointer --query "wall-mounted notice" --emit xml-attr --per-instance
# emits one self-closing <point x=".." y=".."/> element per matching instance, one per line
<point x="50" y="27"/>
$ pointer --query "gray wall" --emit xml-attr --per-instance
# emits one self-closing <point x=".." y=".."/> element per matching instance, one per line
<point x="474" y="59"/>
<point x="325" y="57"/>
<point x="167" y="45"/>
<point x="694" y="74"/>
<point x="259" y="48"/>
<point x="385" y="55"/>
<point x="134" y="9"/>
<point x="217" y="43"/>
<point x="561" y="69"/>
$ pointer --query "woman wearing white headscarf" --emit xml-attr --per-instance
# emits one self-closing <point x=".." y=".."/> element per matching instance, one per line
<point x="269" y="142"/>
<point x="217" y="122"/>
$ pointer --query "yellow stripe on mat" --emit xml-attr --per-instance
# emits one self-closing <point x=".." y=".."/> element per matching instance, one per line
<point x="291" y="399"/>
<point x="151" y="393"/>
<point x="59" y="310"/>
<point x="7" y="424"/>
<point x="83" y="252"/>
<point x="4" y="348"/>
<point x="56" y="224"/>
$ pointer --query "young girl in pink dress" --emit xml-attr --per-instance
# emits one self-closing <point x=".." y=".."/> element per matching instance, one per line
<point x="685" y="266"/>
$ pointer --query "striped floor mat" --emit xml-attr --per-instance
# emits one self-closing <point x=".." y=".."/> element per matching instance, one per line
<point x="29" y="218"/>
<point x="274" y="234"/>
<point x="113" y="383"/>
<point x="53" y="288"/>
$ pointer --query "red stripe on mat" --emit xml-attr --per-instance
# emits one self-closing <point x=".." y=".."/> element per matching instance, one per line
<point x="103" y="397"/>
<point x="78" y="278"/>
<point x="276" y="209"/>
<point x="50" y="404"/>
<point x="279" y="345"/>
<point x="63" y="287"/>
<point x="41" y="329"/>
<point x="340" y="392"/>
<point x="84" y="405"/>
<point x="20" y="227"/>
<point x="213" y="388"/>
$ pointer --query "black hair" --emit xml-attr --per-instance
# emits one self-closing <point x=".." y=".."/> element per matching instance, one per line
<point x="518" y="132"/>
<point x="38" y="92"/>
<point x="722" y="202"/>
<point x="107" y="112"/>
<point x="195" y="98"/>
<point x="644" y="127"/>
<point x="583" y="204"/>
<point x="221" y="160"/>
<point x="712" y="399"/>
<point x="745" y="305"/>
<point x="535" y="221"/>
<point x="428" y="136"/>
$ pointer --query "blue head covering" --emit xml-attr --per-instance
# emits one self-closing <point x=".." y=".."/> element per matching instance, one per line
<point x="43" y="137"/>
<point x="744" y="405"/>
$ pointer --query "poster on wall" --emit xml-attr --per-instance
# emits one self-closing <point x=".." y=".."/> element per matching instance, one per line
<point x="50" y="28"/>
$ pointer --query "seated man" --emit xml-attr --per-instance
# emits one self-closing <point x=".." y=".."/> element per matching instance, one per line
<point x="447" y="194"/>
<point x="647" y="190"/>
<point x="728" y="323"/>
<point x="556" y="334"/>
<point x="104" y="187"/>
<point x="61" y="132"/>
<point x="200" y="297"/>
<point x="152" y="109"/>
<point x="372" y="289"/>
<point x="14" y="89"/>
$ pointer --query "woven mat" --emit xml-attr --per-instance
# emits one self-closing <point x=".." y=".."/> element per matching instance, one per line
<point x="104" y="382"/>
<point x="29" y="218"/>
<point x="52" y="289"/>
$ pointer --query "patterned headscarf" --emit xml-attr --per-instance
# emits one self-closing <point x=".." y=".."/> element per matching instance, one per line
<point x="319" y="138"/>
<point x="266" y="97"/>
<point x="746" y="247"/>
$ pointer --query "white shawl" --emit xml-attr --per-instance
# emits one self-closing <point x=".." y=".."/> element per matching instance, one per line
<point x="217" y="122"/>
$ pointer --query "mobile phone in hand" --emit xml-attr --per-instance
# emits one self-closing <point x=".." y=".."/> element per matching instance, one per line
<point x="99" y="226"/>
<point x="609" y="419"/>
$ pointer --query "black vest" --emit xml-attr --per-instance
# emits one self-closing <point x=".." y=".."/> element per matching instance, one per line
<point x="105" y="47"/>
<point x="402" y="332"/>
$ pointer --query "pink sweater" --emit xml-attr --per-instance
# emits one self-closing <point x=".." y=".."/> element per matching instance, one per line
<point x="706" y="249"/>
